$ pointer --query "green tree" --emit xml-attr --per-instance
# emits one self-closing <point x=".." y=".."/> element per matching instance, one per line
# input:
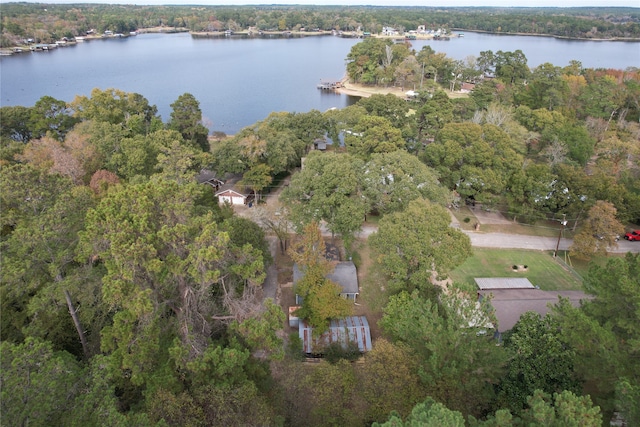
<point x="546" y="88"/>
<point x="435" y="112"/>
<point x="15" y="123"/>
<point x="539" y="360"/>
<point x="329" y="188"/>
<point x="257" y="178"/>
<point x="603" y="331"/>
<point x="415" y="244"/>
<point x="373" y="134"/>
<point x="458" y="366"/>
<point x="366" y="58"/>
<point x="528" y="192"/>
<point x="129" y="111"/>
<point x="321" y="296"/>
<point x="511" y="67"/>
<point x="389" y="382"/>
<point x="392" y="180"/>
<point x="564" y="409"/>
<point x="170" y="273"/>
<point x="427" y="414"/>
<point x="51" y="116"/>
<point x="186" y="118"/>
<point x="38" y="384"/>
<point x="333" y="387"/>
<point x="599" y="233"/>
<point x="476" y="161"/>
<point x="389" y="106"/>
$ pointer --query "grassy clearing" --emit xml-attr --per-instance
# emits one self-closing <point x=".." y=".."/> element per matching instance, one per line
<point x="542" y="270"/>
<point x="462" y="214"/>
<point x="582" y="266"/>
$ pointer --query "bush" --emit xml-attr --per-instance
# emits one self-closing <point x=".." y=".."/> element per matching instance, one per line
<point x="334" y="352"/>
<point x="467" y="219"/>
<point x="294" y="347"/>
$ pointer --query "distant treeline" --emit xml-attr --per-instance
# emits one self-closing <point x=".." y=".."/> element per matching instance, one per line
<point x="49" y="22"/>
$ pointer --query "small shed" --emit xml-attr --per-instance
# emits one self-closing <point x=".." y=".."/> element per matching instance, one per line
<point x="320" y="144"/>
<point x="294" y="321"/>
<point x="353" y="329"/>
<point x="344" y="274"/>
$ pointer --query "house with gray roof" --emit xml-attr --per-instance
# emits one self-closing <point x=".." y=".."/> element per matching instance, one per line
<point x="512" y="297"/>
<point x="344" y="274"/>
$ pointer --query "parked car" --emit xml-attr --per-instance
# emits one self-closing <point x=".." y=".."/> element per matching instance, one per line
<point x="633" y="235"/>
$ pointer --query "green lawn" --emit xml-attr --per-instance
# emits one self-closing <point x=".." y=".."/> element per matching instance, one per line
<point x="542" y="271"/>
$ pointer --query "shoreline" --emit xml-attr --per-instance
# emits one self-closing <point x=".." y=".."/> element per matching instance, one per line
<point x="581" y="39"/>
<point x="362" y="91"/>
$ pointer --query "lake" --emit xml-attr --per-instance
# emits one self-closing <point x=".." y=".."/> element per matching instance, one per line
<point x="240" y="81"/>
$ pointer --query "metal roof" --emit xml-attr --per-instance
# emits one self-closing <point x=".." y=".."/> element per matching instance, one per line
<point x="510" y="304"/>
<point x="343" y="331"/>
<point x="503" y="283"/>
<point x="344" y="274"/>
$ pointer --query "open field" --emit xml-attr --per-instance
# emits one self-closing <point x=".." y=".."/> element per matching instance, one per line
<point x="542" y="270"/>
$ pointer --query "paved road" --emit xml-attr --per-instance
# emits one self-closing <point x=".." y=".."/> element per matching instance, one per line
<point x="517" y="241"/>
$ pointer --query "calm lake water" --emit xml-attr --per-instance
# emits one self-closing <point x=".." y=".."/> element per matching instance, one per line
<point x="240" y="81"/>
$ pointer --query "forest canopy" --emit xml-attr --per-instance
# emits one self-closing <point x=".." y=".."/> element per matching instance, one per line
<point x="127" y="285"/>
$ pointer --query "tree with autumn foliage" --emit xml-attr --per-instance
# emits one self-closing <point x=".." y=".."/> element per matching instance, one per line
<point x="321" y="300"/>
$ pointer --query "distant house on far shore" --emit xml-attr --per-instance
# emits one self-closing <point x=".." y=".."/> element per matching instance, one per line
<point x="467" y="87"/>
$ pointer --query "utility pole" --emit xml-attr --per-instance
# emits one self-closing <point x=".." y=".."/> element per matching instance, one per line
<point x="564" y="224"/>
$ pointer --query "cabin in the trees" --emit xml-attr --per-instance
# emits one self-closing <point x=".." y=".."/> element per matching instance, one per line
<point x="210" y="178"/>
<point x="512" y="297"/>
<point x="226" y="189"/>
<point x="467" y="87"/>
<point x="320" y="144"/>
<point x="344" y="274"/>
<point x="350" y="330"/>
<point x="234" y="194"/>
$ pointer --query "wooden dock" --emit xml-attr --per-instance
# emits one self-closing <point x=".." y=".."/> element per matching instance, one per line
<point x="329" y="84"/>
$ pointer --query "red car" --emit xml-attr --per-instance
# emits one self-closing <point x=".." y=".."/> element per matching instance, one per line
<point x="634" y="235"/>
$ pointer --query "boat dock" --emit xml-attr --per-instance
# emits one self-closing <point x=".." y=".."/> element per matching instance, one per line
<point x="330" y="84"/>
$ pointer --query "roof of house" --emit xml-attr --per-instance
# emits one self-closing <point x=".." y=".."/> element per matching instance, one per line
<point x="231" y="184"/>
<point x="510" y="304"/>
<point x="344" y="274"/>
<point x="503" y="283"/>
<point x="350" y="329"/>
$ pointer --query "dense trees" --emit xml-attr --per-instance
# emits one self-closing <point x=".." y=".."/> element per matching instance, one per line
<point x="47" y="23"/>
<point x="126" y="286"/>
<point x="417" y="244"/>
<point x="328" y="188"/>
